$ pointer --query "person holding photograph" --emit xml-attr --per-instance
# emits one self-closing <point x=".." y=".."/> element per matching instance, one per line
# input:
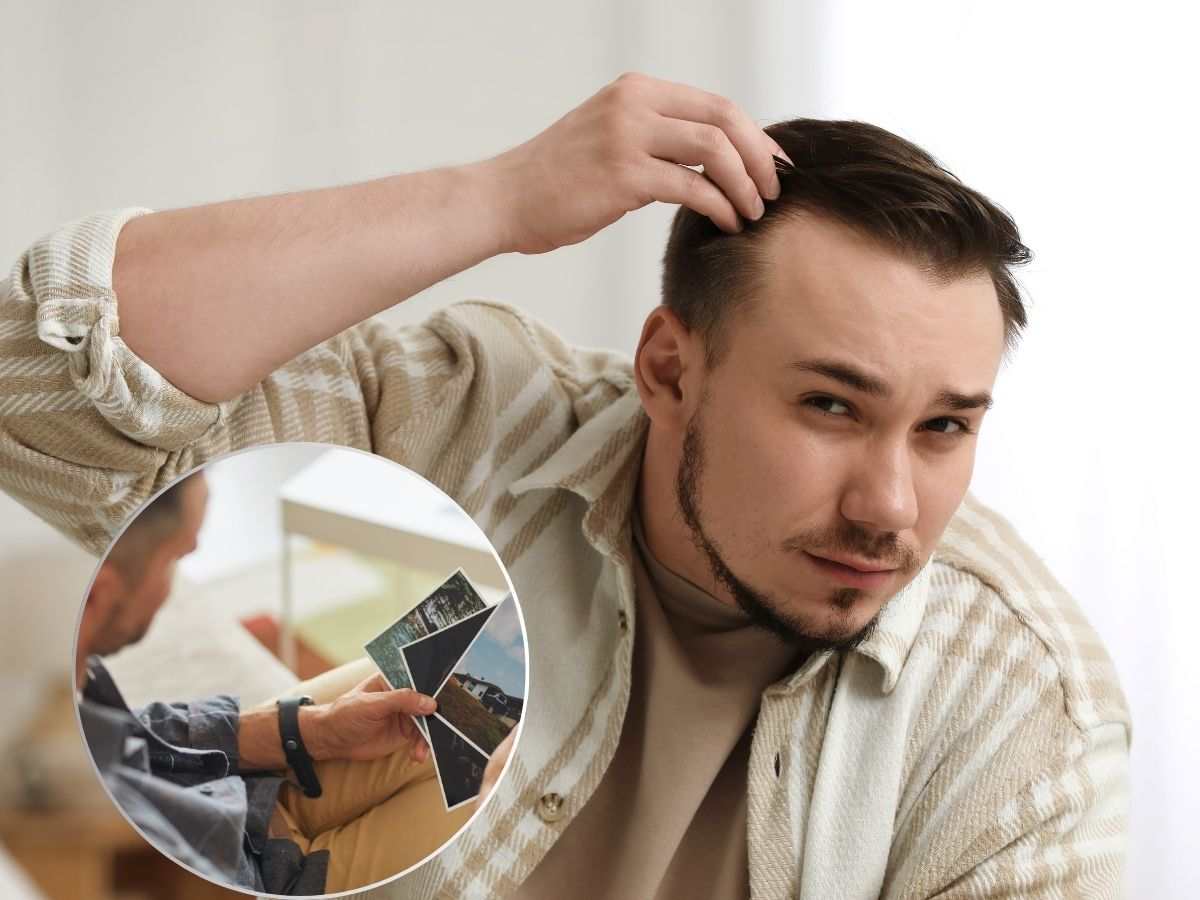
<point x="778" y="649"/>
<point x="208" y="783"/>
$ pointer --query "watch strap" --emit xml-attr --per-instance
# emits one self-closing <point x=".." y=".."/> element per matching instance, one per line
<point x="296" y="753"/>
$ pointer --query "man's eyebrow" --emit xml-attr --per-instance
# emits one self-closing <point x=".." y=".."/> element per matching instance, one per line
<point x="866" y="383"/>
<point x="955" y="400"/>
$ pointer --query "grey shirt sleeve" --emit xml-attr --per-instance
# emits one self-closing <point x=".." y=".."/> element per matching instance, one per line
<point x="208" y="726"/>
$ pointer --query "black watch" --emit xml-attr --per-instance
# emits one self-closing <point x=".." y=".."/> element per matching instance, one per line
<point x="293" y="744"/>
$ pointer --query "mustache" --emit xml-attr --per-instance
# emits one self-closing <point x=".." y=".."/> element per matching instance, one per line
<point x="888" y="552"/>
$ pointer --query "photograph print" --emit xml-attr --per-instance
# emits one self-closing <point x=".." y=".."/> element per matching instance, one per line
<point x="485" y="694"/>
<point x="459" y="765"/>
<point x="454" y="600"/>
<point x="431" y="659"/>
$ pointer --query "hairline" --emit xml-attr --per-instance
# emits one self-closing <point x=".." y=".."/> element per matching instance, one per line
<point x="715" y="334"/>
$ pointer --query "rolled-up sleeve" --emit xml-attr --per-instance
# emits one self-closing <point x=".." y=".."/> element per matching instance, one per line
<point x="207" y="724"/>
<point x="68" y="277"/>
<point x="85" y="431"/>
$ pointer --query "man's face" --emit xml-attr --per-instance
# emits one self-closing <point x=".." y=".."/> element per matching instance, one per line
<point x="783" y="462"/>
<point x="138" y="599"/>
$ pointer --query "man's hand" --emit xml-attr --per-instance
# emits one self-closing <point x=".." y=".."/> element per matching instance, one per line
<point x="496" y="763"/>
<point x="626" y="146"/>
<point x="366" y="722"/>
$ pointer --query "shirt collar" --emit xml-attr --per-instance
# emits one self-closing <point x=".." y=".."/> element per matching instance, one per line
<point x="103" y="716"/>
<point x="897" y="628"/>
<point x="104" y="730"/>
<point x="890" y="643"/>
<point x="601" y="461"/>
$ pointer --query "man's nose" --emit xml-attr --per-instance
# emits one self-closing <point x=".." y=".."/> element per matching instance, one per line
<point x="881" y="494"/>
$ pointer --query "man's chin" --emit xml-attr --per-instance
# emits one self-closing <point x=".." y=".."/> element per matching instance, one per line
<point x="115" y="643"/>
<point x="844" y="620"/>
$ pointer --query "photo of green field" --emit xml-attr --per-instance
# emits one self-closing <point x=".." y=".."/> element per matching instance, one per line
<point x="479" y="725"/>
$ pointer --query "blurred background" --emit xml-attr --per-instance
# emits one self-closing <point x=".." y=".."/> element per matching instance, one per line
<point x="1073" y="116"/>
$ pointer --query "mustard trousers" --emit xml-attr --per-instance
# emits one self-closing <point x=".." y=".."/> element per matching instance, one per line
<point x="375" y="818"/>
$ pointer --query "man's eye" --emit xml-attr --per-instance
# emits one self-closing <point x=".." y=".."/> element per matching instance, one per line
<point x="827" y="400"/>
<point x="946" y="425"/>
<point x="959" y="426"/>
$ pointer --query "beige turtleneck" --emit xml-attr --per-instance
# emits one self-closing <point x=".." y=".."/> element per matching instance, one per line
<point x="669" y="817"/>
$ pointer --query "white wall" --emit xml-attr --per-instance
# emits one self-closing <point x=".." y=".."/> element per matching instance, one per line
<point x="1078" y="118"/>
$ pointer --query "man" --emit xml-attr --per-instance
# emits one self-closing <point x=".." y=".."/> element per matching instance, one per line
<point x="204" y="781"/>
<point x="724" y="700"/>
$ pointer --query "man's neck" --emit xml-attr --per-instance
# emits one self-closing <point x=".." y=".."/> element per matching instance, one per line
<point x="667" y="535"/>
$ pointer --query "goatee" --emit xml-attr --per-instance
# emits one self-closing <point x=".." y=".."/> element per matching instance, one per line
<point x="762" y="611"/>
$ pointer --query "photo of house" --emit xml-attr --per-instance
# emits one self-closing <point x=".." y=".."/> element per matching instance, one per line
<point x="485" y="696"/>
<point x="491" y="696"/>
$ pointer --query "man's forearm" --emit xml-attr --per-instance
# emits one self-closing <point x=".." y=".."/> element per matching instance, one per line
<point x="259" y="745"/>
<point x="217" y="297"/>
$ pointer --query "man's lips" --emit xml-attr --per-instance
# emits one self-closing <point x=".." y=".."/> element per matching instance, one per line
<point x="851" y="575"/>
<point x="853" y="563"/>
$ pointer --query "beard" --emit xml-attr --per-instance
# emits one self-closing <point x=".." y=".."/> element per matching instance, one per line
<point x="808" y="634"/>
<point x="115" y="638"/>
<point x="118" y="630"/>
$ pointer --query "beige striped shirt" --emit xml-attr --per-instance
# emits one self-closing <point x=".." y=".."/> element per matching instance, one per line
<point x="975" y="746"/>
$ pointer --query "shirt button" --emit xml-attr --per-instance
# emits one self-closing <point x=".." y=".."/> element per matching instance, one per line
<point x="778" y="764"/>
<point x="622" y="620"/>
<point x="550" y="807"/>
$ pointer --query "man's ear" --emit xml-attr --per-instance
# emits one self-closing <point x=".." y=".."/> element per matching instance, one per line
<point x="664" y="355"/>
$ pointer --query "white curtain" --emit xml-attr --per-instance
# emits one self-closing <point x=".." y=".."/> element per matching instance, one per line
<point x="1078" y="118"/>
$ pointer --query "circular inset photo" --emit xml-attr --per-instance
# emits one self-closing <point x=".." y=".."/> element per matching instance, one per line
<point x="301" y="670"/>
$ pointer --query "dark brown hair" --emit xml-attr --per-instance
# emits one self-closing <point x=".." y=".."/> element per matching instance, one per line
<point x="868" y="179"/>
